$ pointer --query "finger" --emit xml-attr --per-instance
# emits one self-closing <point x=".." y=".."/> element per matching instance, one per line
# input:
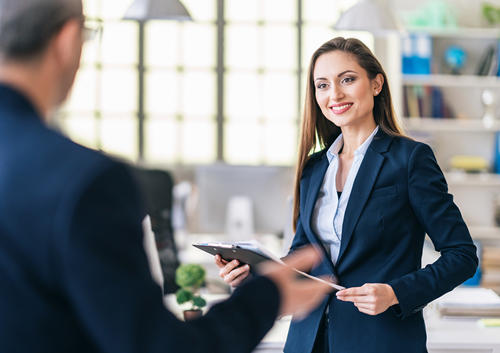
<point x="357" y="298"/>
<point x="236" y="273"/>
<point x="228" y="268"/>
<point x="354" y="291"/>
<point x="366" y="306"/>
<point x="219" y="261"/>
<point x="237" y="281"/>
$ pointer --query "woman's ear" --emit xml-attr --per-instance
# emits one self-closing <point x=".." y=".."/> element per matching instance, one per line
<point x="378" y="84"/>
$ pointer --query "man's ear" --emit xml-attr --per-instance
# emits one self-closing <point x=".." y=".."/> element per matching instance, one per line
<point x="67" y="42"/>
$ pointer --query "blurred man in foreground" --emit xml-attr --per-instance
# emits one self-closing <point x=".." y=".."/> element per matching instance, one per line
<point x="73" y="273"/>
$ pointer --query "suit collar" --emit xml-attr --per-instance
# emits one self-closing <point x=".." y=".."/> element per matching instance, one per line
<point x="362" y="188"/>
<point x="313" y="186"/>
<point x="363" y="185"/>
<point x="381" y="142"/>
<point x="12" y="99"/>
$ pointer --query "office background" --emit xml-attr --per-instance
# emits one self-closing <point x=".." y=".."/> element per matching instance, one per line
<point x="225" y="90"/>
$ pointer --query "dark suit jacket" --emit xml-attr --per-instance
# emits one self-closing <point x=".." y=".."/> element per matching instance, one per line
<point x="399" y="195"/>
<point x="73" y="273"/>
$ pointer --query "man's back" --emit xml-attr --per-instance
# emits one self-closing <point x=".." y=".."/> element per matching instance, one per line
<point x="73" y="274"/>
<point x="41" y="177"/>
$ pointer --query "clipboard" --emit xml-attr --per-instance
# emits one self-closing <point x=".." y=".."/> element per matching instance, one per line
<point x="245" y="255"/>
<point x="252" y="253"/>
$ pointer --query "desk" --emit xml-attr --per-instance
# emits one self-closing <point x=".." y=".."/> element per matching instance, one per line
<point x="443" y="335"/>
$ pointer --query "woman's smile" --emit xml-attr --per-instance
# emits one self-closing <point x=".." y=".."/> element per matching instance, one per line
<point x="340" y="108"/>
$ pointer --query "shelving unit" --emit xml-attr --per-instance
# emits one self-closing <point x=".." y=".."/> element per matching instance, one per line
<point x="448" y="125"/>
<point x="485" y="233"/>
<point x="474" y="194"/>
<point x="480" y="179"/>
<point x="458" y="32"/>
<point x="469" y="81"/>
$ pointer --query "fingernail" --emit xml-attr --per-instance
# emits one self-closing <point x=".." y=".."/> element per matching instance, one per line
<point x="247" y="267"/>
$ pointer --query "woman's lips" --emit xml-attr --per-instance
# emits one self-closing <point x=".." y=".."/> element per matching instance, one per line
<point x="340" y="108"/>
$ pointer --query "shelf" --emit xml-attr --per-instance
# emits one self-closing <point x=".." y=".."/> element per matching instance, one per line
<point x="451" y="125"/>
<point x="462" y="32"/>
<point x="470" y="81"/>
<point x="476" y="179"/>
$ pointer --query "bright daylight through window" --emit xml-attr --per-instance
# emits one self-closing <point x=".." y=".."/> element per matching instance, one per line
<point x="263" y="45"/>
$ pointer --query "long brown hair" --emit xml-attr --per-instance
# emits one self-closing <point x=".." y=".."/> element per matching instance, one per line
<point x="316" y="131"/>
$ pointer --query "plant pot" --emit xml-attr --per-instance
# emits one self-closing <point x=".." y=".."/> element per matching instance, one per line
<point x="192" y="314"/>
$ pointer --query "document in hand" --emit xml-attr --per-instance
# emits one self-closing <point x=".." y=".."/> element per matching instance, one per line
<point x="250" y="252"/>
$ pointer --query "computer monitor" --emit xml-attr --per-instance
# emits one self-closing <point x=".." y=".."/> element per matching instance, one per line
<point x="267" y="187"/>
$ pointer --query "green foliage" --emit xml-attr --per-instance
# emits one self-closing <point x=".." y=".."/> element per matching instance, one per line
<point x="199" y="302"/>
<point x="190" y="275"/>
<point x="491" y="13"/>
<point x="190" y="278"/>
<point x="183" y="296"/>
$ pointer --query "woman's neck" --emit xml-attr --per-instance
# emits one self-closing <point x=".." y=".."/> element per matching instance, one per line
<point x="355" y="137"/>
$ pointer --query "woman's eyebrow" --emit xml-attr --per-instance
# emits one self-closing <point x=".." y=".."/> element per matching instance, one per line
<point x="342" y="73"/>
<point x="346" y="71"/>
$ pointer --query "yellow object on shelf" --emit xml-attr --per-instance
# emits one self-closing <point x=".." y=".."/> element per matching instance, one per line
<point x="469" y="163"/>
<point x="488" y="322"/>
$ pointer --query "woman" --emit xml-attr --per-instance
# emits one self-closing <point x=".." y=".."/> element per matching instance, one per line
<point x="368" y="197"/>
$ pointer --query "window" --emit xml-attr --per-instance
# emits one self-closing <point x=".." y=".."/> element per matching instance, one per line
<point x="263" y="57"/>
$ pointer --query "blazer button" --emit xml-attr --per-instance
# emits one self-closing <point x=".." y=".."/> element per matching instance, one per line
<point x="334" y="279"/>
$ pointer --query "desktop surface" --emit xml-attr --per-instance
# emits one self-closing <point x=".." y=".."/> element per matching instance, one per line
<point x="443" y="335"/>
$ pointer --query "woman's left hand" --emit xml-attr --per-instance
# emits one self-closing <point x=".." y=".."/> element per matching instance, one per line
<point x="371" y="298"/>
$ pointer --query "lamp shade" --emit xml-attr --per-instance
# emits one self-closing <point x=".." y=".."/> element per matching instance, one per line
<point x="366" y="15"/>
<point x="144" y="10"/>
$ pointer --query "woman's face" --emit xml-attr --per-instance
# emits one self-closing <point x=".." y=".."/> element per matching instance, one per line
<point x="344" y="92"/>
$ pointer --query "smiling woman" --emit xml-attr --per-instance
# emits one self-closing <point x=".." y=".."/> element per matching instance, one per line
<point x="370" y="215"/>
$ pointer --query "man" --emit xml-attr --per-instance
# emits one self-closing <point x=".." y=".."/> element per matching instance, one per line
<point x="73" y="273"/>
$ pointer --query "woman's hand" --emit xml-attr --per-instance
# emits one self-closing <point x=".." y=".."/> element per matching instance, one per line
<point x="232" y="274"/>
<point x="371" y="298"/>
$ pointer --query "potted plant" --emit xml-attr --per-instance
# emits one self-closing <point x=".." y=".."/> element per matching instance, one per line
<point x="190" y="278"/>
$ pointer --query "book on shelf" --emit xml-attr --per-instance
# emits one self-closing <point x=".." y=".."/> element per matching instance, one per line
<point x="425" y="102"/>
<point x="417" y="54"/>
<point x="490" y="265"/>
<point x="496" y="153"/>
<point x="488" y="65"/>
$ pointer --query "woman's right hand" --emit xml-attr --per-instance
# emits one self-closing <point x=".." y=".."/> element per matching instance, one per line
<point x="230" y="272"/>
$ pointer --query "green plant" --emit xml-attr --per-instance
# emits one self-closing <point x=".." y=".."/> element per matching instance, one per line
<point x="190" y="278"/>
<point x="491" y="13"/>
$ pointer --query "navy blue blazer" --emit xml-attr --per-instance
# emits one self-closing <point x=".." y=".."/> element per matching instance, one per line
<point x="399" y="195"/>
<point x="74" y="276"/>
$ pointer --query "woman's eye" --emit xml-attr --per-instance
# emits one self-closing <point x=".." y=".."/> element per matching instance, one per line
<point x="347" y="80"/>
<point x="321" y="86"/>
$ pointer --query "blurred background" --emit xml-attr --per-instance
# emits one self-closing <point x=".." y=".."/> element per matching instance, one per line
<point x="207" y="111"/>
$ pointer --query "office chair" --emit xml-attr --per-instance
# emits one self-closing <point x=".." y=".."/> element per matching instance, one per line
<point x="156" y="188"/>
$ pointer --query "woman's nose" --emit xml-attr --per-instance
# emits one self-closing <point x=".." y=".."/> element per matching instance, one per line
<point x="336" y="93"/>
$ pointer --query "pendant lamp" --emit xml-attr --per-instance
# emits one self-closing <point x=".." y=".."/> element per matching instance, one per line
<point x="144" y="10"/>
<point x="369" y="16"/>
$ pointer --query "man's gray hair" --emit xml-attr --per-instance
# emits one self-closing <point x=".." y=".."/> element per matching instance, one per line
<point x="27" y="26"/>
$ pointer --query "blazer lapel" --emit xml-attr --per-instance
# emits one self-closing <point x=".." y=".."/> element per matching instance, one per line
<point x="317" y="176"/>
<point x="363" y="185"/>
